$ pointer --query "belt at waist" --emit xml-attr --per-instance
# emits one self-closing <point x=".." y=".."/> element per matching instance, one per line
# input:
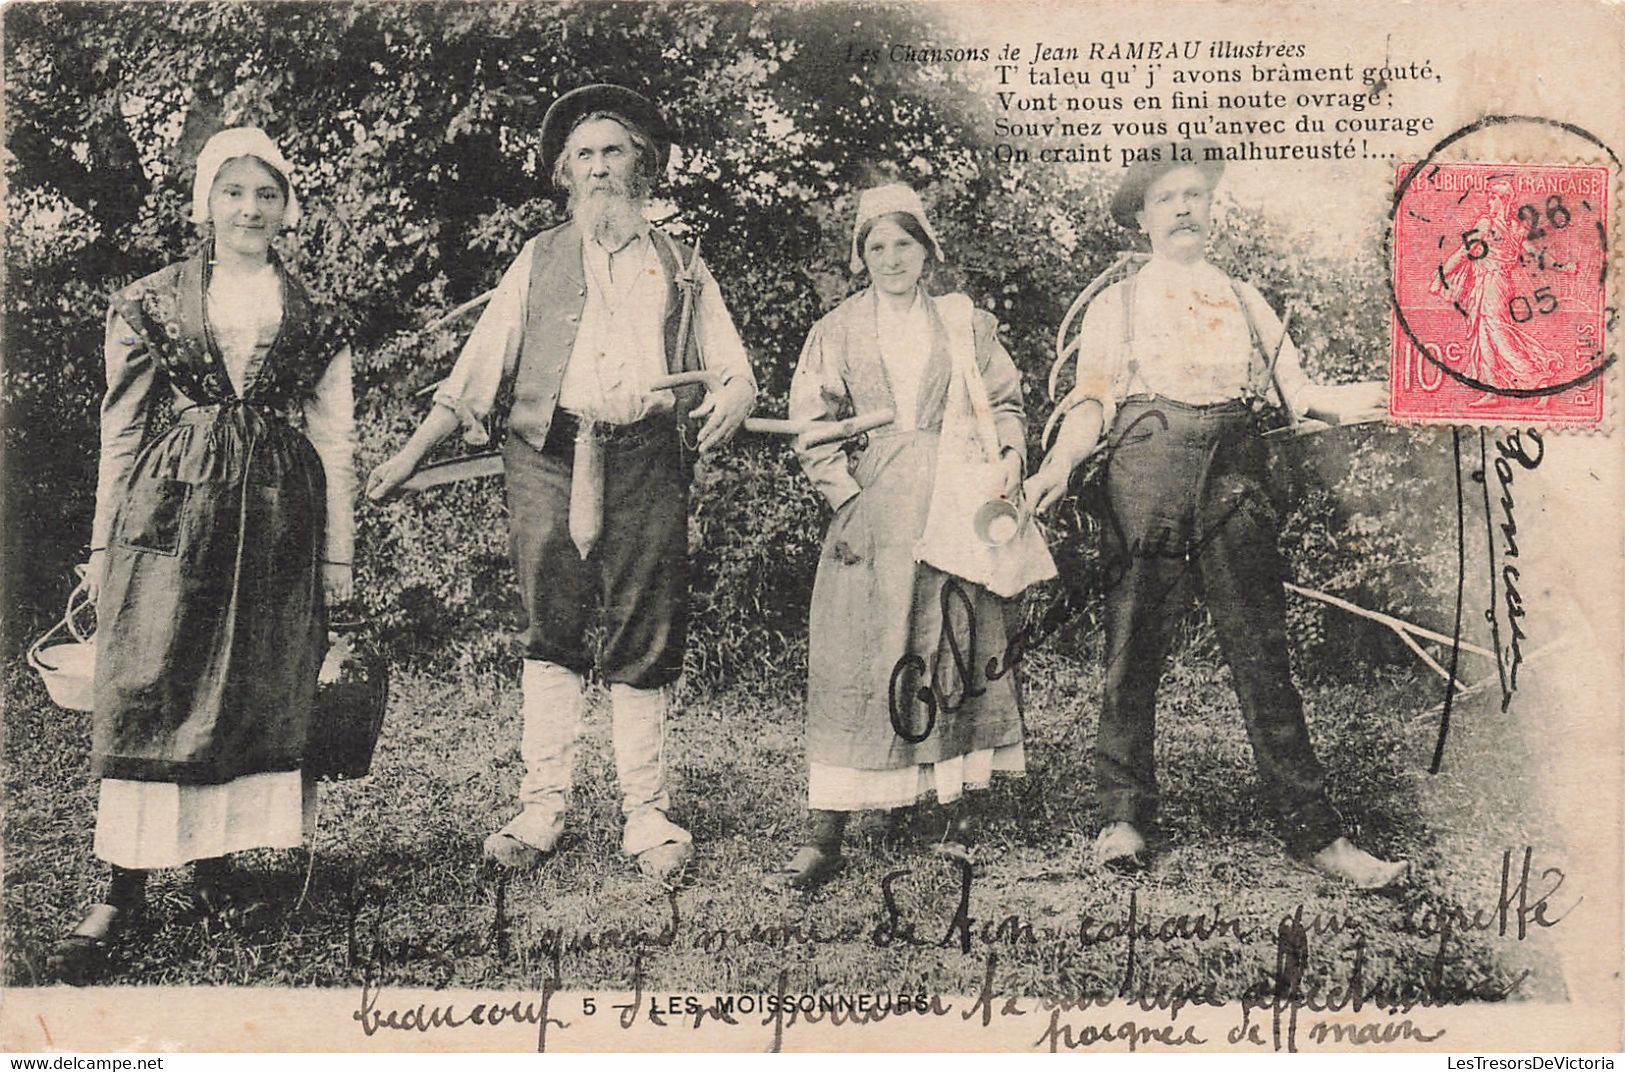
<point x="566" y="426"/>
<point x="1229" y="407"/>
<point x="1156" y="423"/>
<point x="204" y="412"/>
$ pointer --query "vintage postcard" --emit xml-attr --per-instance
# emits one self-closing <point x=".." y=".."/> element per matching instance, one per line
<point x="684" y="526"/>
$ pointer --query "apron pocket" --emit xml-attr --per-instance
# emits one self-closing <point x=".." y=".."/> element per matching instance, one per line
<point x="152" y="516"/>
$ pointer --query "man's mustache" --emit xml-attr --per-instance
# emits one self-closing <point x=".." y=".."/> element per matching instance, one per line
<point x="612" y="186"/>
<point x="603" y="195"/>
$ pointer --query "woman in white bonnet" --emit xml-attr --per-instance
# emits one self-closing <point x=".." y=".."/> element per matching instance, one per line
<point x="880" y="641"/>
<point x="217" y="544"/>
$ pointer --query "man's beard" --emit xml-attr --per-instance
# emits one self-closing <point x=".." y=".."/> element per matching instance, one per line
<point x="612" y="214"/>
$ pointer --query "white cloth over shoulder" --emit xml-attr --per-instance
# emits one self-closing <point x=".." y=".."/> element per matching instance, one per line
<point x="968" y="476"/>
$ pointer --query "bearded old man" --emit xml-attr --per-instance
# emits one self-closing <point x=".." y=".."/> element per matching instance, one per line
<point x="597" y="465"/>
<point x="1174" y="364"/>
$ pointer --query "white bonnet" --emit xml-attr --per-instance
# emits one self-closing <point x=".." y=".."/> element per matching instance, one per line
<point x="881" y="200"/>
<point x="229" y="144"/>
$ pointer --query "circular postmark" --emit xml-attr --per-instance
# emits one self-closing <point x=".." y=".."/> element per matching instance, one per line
<point x="1499" y="276"/>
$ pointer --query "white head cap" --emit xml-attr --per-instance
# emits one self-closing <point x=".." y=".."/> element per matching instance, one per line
<point x="229" y="144"/>
<point x="881" y="200"/>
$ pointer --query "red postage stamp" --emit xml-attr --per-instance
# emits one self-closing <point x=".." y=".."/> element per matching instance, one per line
<point x="1499" y="277"/>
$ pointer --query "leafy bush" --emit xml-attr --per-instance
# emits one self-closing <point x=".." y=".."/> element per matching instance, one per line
<point x="413" y="129"/>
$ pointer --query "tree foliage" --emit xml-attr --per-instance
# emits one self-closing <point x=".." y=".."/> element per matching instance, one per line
<point x="413" y="129"/>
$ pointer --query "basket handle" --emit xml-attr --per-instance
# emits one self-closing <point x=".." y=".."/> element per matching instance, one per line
<point x="78" y="600"/>
<point x="33" y="649"/>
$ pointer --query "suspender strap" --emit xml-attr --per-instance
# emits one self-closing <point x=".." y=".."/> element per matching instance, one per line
<point x="1258" y="365"/>
<point x="1131" y="366"/>
<point x="1128" y="312"/>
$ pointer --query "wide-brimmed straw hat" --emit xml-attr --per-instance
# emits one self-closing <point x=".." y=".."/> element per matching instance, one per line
<point x="1130" y="195"/>
<point x="883" y="200"/>
<point x="563" y="115"/>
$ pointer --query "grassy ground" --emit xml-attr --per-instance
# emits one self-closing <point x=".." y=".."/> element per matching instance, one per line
<point x="397" y="890"/>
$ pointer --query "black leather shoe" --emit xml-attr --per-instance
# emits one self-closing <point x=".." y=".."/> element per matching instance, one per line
<point x="81" y="957"/>
<point x="808" y="869"/>
<point x="214" y="885"/>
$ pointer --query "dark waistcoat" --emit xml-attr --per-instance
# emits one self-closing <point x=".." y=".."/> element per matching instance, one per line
<point x="556" y="298"/>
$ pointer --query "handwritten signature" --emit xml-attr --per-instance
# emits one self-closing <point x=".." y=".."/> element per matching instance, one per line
<point x="1508" y="659"/>
<point x="1524" y="901"/>
<point x="955" y="682"/>
<point x="1508" y="450"/>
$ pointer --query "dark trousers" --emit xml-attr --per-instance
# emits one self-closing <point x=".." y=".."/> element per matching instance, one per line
<point x="638" y="570"/>
<point x="1186" y="509"/>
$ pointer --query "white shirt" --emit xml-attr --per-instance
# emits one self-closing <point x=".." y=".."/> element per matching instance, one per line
<point x="905" y="348"/>
<point x="245" y="313"/>
<point x="1190" y="340"/>
<point x="619" y="347"/>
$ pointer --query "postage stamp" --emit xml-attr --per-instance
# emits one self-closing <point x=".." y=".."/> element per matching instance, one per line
<point x="1499" y="275"/>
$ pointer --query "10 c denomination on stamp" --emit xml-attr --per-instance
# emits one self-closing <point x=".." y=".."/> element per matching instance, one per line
<point x="1499" y="275"/>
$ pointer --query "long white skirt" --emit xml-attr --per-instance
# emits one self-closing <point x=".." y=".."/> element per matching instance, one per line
<point x="150" y="825"/>
<point x="831" y="788"/>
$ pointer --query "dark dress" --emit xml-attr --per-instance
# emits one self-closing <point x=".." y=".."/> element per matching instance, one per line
<point x="211" y="615"/>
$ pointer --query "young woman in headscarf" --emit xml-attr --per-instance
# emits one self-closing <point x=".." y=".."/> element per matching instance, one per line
<point x="900" y="707"/>
<point x="216" y="547"/>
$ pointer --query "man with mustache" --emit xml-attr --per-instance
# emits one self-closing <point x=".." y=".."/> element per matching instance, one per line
<point x="1176" y="361"/>
<point x="597" y="466"/>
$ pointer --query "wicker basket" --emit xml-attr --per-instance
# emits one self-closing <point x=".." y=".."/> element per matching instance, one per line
<point x="65" y="657"/>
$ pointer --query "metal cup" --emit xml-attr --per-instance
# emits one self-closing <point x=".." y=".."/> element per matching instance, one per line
<point x="997" y="522"/>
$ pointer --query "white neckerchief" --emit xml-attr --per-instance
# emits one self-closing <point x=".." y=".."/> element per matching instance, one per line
<point x="244" y="314"/>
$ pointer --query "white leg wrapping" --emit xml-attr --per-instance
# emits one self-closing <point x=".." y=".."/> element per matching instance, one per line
<point x="552" y="709"/>
<point x="639" y="734"/>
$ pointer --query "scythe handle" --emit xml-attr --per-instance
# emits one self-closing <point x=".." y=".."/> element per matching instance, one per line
<point x="816" y="432"/>
<point x="467" y="307"/>
<point x="852" y="426"/>
<point x="710" y="380"/>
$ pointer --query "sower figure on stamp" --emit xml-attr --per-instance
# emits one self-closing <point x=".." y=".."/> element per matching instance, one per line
<point x="597" y="466"/>
<point x="1175" y="362"/>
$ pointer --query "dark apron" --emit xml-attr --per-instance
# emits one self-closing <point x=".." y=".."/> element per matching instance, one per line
<point x="211" y="616"/>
